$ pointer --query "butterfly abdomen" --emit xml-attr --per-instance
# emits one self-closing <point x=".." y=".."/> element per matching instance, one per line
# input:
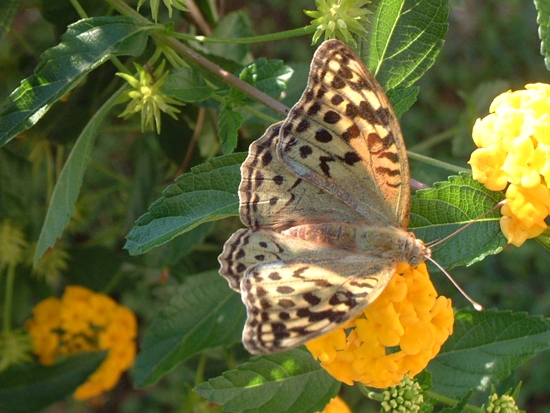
<point x="340" y="235"/>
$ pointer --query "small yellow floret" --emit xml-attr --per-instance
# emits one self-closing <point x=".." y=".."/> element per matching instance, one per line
<point x="398" y="334"/>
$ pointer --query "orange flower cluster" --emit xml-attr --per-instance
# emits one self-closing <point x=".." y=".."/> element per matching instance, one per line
<point x="398" y="334"/>
<point x="85" y="321"/>
<point x="514" y="154"/>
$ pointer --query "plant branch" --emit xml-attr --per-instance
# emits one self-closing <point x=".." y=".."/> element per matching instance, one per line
<point x="196" y="58"/>
<point x="6" y="316"/>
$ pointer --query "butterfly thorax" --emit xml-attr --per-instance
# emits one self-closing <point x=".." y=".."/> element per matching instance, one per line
<point x="389" y="242"/>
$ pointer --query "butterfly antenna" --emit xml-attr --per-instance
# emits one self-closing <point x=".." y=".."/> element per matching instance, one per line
<point x="474" y="303"/>
<point x="441" y="241"/>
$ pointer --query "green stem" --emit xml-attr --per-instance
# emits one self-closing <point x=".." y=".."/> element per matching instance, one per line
<point x="126" y="10"/>
<point x="231" y="360"/>
<point x="79" y="9"/>
<point x="302" y="31"/>
<point x="113" y="282"/>
<point x="199" y="375"/>
<point x="452" y="402"/>
<point x="173" y="58"/>
<point x="435" y="162"/>
<point x="6" y="316"/>
<point x="434" y="140"/>
<point x="118" y="64"/>
<point x="369" y="393"/>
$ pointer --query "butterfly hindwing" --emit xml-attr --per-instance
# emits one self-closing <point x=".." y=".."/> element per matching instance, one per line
<point x="247" y="248"/>
<point x="343" y="137"/>
<point x="291" y="302"/>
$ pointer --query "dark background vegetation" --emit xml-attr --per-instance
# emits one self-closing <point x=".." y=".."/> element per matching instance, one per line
<point x="491" y="46"/>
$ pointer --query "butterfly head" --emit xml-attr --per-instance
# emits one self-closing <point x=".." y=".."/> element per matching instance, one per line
<point x="417" y="252"/>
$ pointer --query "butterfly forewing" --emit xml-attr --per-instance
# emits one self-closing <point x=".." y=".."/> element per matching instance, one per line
<point x="343" y="136"/>
<point x="272" y="197"/>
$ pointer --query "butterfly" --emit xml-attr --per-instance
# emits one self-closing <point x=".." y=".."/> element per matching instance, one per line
<point x="325" y="197"/>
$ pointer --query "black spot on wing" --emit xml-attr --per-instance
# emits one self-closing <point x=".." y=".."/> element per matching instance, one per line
<point x="324" y="164"/>
<point x="323" y="136"/>
<point x="305" y="151"/>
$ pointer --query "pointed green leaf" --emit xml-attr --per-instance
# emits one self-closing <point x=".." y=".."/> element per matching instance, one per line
<point x="402" y="99"/>
<point x="543" y="20"/>
<point x="485" y="348"/>
<point x="86" y="44"/>
<point x="207" y="193"/>
<point x="230" y="120"/>
<point x="404" y="38"/>
<point x="286" y="382"/>
<point x="203" y="313"/>
<point x="30" y="387"/>
<point x="439" y="211"/>
<point x="67" y="187"/>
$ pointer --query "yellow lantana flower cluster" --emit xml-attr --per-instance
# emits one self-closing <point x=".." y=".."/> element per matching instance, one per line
<point x="514" y="154"/>
<point x="85" y="321"/>
<point x="398" y="334"/>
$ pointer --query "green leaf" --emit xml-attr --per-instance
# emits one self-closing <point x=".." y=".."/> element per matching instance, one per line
<point x="439" y="211"/>
<point x="86" y="45"/>
<point x="288" y="382"/>
<point x="207" y="193"/>
<point x="230" y="120"/>
<point x="203" y="313"/>
<point x="543" y="20"/>
<point x="269" y="76"/>
<point x="402" y="99"/>
<point x="404" y="38"/>
<point x="485" y="348"/>
<point x="30" y="387"/>
<point x="187" y="85"/>
<point x="67" y="187"/>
